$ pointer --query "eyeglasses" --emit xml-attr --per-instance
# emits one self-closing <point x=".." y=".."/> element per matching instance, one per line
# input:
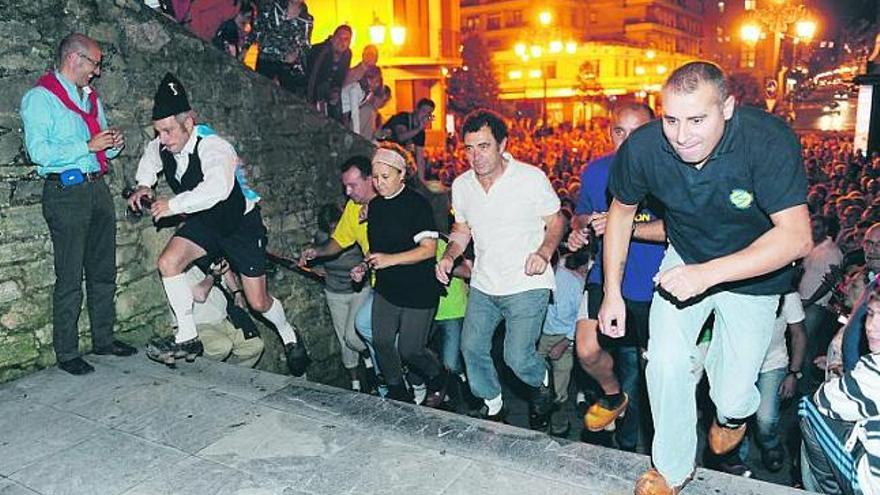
<point x="96" y="63"/>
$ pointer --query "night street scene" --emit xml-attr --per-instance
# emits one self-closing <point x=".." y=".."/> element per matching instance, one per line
<point x="326" y="247"/>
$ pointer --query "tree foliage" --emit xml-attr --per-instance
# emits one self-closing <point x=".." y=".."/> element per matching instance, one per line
<point x="474" y="84"/>
<point x="746" y="89"/>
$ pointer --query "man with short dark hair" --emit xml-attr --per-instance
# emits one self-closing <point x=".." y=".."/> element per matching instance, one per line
<point x="222" y="218"/>
<point x="66" y="136"/>
<point x="351" y="229"/>
<point x="511" y="212"/>
<point x="734" y="189"/>
<point x="408" y="130"/>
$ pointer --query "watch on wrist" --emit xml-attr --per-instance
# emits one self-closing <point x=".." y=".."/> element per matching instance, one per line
<point x="797" y="374"/>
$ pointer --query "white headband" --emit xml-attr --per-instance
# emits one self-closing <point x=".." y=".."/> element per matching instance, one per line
<point x="390" y="158"/>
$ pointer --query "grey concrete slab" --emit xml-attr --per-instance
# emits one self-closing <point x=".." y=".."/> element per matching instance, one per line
<point x="281" y="446"/>
<point x="9" y="487"/>
<point x="172" y="414"/>
<point x="379" y="466"/>
<point x="487" y="479"/>
<point x="245" y="383"/>
<point x="107" y="463"/>
<point x="30" y="431"/>
<point x="137" y="427"/>
<point x="198" y="476"/>
<point x="58" y="388"/>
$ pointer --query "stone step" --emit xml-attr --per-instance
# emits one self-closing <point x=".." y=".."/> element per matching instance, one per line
<point x="136" y="427"/>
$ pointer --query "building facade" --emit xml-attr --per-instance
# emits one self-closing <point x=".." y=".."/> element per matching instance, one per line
<point x="565" y="59"/>
<point x="419" y="43"/>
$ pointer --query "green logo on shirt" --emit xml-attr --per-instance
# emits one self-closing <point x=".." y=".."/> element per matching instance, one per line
<point x="741" y="198"/>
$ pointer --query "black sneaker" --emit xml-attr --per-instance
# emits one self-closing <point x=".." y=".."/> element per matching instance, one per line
<point x="543" y="402"/>
<point x="116" y="348"/>
<point x="399" y="393"/>
<point x="168" y="352"/>
<point x="773" y="458"/>
<point x="76" y="366"/>
<point x="297" y="357"/>
<point x="733" y="464"/>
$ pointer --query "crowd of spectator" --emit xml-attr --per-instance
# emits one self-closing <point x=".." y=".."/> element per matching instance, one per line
<point x="823" y="319"/>
<point x="844" y="202"/>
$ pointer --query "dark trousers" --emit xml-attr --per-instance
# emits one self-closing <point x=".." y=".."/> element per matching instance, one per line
<point x="413" y="326"/>
<point x="283" y="73"/>
<point x="82" y="223"/>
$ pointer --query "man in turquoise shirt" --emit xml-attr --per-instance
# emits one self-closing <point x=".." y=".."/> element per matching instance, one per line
<point x="66" y="136"/>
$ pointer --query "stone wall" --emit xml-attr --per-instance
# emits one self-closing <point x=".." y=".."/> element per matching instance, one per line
<point x="292" y="155"/>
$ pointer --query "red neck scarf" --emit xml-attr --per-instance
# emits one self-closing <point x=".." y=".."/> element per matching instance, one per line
<point x="53" y="85"/>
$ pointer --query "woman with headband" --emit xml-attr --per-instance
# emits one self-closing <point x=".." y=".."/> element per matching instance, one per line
<point x="403" y="241"/>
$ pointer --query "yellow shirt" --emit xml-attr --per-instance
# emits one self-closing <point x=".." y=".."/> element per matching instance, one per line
<point x="349" y="230"/>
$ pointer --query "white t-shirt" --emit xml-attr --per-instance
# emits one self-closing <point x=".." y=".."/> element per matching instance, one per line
<point x="777" y="353"/>
<point x="507" y="224"/>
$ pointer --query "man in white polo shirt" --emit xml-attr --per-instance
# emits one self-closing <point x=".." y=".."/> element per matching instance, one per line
<point x="510" y="210"/>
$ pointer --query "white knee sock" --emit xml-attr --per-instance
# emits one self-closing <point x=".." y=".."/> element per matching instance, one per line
<point x="181" y="300"/>
<point x="546" y="381"/>
<point x="279" y="319"/>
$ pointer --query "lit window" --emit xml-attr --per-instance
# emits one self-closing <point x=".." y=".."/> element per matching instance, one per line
<point x="749" y="4"/>
<point x="721" y="7"/>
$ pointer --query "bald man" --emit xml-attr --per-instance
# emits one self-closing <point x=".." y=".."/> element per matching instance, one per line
<point x="597" y="354"/>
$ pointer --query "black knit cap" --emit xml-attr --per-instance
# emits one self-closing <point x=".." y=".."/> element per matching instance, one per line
<point x="170" y="98"/>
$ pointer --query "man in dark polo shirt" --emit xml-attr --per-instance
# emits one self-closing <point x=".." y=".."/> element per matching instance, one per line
<point x="408" y="130"/>
<point x="734" y="190"/>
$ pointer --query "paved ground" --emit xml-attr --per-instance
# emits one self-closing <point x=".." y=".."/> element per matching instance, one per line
<point x="134" y="427"/>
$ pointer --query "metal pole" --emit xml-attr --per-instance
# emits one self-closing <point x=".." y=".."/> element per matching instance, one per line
<point x="544" y="101"/>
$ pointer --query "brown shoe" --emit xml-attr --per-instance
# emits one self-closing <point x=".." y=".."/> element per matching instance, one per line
<point x="602" y="415"/>
<point x="723" y="439"/>
<point x="653" y="483"/>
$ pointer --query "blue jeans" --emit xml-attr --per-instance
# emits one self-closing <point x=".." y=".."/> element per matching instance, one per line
<point x="523" y="314"/>
<point x="740" y="337"/>
<point x="448" y="332"/>
<point x="767" y="416"/>
<point x="363" y="323"/>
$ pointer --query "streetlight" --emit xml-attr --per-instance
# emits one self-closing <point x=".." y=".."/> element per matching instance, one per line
<point x="545" y="18"/>
<point x="537" y="46"/>
<point x="777" y="16"/>
<point x="750" y="33"/>
<point x="378" y="30"/>
<point x="805" y="29"/>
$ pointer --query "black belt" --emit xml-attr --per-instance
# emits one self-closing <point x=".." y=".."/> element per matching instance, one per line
<point x="89" y="177"/>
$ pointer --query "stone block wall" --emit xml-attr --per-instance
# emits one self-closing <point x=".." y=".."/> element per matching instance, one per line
<point x="292" y="154"/>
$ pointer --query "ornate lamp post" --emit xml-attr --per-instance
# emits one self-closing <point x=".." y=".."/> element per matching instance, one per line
<point x="540" y="47"/>
<point x="776" y="16"/>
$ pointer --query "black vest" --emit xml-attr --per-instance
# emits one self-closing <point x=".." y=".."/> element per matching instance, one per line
<point x="225" y="216"/>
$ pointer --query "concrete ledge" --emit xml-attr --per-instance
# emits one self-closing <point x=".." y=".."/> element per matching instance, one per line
<point x="137" y="427"/>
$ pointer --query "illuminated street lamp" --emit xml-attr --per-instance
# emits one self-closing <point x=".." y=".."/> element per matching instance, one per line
<point x="378" y="31"/>
<point x="540" y="44"/>
<point x="776" y="16"/>
<point x="750" y="33"/>
<point x="805" y="29"/>
<point x="545" y="18"/>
